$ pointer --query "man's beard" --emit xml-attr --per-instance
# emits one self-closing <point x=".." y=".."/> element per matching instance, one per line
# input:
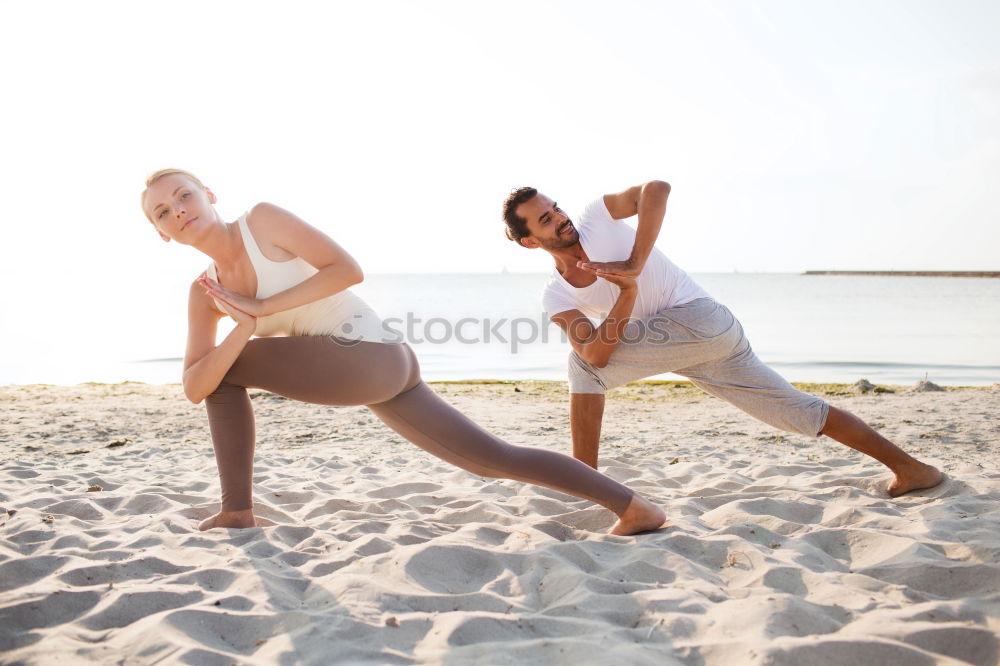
<point x="561" y="241"/>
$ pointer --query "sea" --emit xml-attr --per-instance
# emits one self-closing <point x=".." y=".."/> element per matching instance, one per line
<point x="809" y="328"/>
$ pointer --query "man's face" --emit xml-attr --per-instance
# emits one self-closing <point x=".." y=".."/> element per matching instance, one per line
<point x="548" y="225"/>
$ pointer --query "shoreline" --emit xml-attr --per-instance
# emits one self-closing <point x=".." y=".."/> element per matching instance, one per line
<point x="832" y="388"/>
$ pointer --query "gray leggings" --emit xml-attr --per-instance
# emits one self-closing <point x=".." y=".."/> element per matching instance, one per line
<point x="385" y="377"/>
<point x="704" y="342"/>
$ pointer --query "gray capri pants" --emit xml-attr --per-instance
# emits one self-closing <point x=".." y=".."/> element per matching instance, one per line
<point x="704" y="342"/>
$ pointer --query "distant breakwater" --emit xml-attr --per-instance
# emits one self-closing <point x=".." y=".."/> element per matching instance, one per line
<point x="968" y="274"/>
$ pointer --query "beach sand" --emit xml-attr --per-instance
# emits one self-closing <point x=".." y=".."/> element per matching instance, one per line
<point x="780" y="549"/>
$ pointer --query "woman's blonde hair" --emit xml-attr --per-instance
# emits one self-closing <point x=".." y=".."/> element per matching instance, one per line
<point x="156" y="175"/>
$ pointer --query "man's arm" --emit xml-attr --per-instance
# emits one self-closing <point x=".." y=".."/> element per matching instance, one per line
<point x="649" y="202"/>
<point x="596" y="344"/>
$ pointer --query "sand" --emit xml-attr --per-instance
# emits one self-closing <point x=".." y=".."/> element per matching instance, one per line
<point x="780" y="550"/>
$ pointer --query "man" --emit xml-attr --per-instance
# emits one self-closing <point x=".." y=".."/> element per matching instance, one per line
<point x="655" y="319"/>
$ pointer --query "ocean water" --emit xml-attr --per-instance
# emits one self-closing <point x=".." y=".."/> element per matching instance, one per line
<point x="490" y="326"/>
<point x="809" y="328"/>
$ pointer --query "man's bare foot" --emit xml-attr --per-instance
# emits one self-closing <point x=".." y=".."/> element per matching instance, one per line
<point x="915" y="477"/>
<point x="640" y="515"/>
<point x="243" y="518"/>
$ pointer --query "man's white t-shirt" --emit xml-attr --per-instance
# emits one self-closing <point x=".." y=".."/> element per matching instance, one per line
<point x="661" y="284"/>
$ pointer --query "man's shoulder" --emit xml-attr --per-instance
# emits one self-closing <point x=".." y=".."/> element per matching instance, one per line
<point x="555" y="292"/>
<point x="595" y="212"/>
<point x="554" y="283"/>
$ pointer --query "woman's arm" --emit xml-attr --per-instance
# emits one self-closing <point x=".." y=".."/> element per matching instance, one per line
<point x="205" y="364"/>
<point x="277" y="227"/>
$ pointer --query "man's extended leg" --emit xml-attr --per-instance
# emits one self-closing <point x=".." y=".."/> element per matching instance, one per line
<point x="741" y="379"/>
<point x="586" y="412"/>
<point x="910" y="473"/>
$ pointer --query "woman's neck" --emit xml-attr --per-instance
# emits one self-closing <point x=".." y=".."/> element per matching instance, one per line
<point x="223" y="243"/>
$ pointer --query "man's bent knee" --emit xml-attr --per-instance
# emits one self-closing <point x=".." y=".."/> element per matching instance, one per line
<point x="582" y="376"/>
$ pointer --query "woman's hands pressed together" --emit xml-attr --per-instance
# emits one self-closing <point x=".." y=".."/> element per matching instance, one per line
<point x="243" y="309"/>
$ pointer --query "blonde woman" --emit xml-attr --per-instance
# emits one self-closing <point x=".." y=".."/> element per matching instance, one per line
<point x="286" y="283"/>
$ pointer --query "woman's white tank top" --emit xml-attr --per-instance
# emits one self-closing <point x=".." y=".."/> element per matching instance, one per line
<point x="343" y="314"/>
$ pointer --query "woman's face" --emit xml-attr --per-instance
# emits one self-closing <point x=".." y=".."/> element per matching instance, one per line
<point x="179" y="208"/>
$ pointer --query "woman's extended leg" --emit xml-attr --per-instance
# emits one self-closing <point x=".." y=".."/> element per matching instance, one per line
<point x="422" y="417"/>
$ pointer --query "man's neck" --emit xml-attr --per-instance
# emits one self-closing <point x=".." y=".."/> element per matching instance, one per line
<point x="566" y="258"/>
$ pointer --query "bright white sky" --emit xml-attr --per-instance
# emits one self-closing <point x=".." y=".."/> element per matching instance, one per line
<point x="797" y="135"/>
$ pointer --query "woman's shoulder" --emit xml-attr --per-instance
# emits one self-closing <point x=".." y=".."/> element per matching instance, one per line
<point x="265" y="215"/>
<point x="269" y="224"/>
<point x="265" y="210"/>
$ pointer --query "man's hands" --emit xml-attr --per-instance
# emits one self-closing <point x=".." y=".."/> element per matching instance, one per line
<point x="621" y="273"/>
<point x="596" y="344"/>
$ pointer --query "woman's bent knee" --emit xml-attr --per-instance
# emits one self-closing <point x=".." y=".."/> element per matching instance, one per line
<point x="224" y="393"/>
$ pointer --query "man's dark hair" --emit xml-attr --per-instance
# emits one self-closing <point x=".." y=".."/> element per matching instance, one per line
<point x="517" y="227"/>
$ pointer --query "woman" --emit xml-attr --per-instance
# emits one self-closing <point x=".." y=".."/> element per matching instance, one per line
<point x="286" y="282"/>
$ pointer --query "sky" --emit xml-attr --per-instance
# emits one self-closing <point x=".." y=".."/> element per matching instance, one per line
<point x="796" y="135"/>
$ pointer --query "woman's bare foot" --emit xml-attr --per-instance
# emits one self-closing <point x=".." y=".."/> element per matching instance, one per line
<point x="640" y="515"/>
<point x="914" y="477"/>
<point x="243" y="518"/>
